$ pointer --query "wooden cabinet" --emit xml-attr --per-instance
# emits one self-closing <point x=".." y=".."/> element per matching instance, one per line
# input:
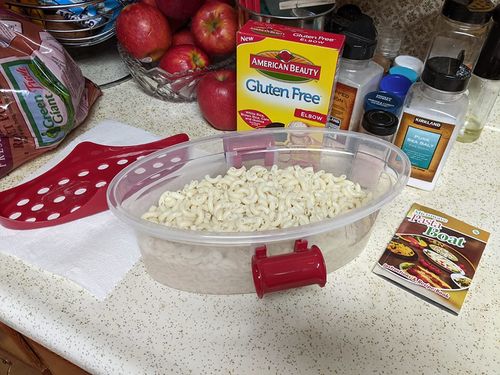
<point x="56" y="364"/>
<point x="19" y="355"/>
<point x="10" y="365"/>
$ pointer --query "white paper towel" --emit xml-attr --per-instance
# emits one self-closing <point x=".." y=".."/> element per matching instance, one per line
<point x="95" y="252"/>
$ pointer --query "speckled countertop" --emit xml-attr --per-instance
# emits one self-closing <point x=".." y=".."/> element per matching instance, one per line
<point x="358" y="324"/>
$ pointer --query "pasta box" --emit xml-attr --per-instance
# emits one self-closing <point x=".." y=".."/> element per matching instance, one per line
<point x="284" y="75"/>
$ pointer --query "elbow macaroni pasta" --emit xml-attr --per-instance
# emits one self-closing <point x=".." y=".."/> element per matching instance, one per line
<point x="257" y="199"/>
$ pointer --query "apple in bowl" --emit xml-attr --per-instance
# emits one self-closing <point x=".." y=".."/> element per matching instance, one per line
<point x="185" y="64"/>
<point x="214" y="28"/>
<point x="143" y="31"/>
<point x="183" y="36"/>
<point x="183" y="58"/>
<point x="172" y="72"/>
<point x="180" y="10"/>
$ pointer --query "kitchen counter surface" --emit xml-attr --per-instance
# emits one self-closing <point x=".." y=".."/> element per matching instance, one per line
<point x="357" y="324"/>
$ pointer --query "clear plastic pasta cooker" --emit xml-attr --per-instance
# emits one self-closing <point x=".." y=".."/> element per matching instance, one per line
<point x="262" y="261"/>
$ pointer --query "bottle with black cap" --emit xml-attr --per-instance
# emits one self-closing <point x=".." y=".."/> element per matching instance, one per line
<point x="357" y="74"/>
<point x="433" y="113"/>
<point x="461" y="25"/>
<point x="380" y="124"/>
<point x="484" y="85"/>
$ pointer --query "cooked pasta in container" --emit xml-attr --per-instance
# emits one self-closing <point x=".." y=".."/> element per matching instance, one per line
<point x="200" y="209"/>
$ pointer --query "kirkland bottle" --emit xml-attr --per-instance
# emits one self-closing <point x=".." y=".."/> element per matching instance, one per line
<point x="433" y="112"/>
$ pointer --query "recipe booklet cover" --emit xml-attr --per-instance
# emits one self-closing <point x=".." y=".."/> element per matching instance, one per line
<point x="433" y="255"/>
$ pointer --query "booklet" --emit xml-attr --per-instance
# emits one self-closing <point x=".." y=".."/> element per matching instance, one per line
<point x="433" y="255"/>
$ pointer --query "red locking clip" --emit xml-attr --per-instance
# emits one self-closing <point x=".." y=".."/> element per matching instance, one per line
<point x="252" y="147"/>
<point x="285" y="271"/>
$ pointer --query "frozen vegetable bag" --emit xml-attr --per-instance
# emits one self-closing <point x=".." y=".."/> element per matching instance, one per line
<point x="43" y="94"/>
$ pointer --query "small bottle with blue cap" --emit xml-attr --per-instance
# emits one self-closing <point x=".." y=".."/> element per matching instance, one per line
<point x="396" y="84"/>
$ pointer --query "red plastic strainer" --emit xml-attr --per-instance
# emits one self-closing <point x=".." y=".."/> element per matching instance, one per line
<point x="75" y="187"/>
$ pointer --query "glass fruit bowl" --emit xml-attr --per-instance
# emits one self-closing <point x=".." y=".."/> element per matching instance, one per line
<point x="178" y="87"/>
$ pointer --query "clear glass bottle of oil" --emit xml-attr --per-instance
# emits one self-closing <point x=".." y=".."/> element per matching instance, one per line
<point x="482" y="95"/>
<point x="484" y="85"/>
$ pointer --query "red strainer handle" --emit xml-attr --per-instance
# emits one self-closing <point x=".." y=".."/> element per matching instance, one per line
<point x="76" y="186"/>
<point x="304" y="266"/>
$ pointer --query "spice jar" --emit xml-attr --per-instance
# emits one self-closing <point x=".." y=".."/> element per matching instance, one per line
<point x="433" y="112"/>
<point x="461" y="26"/>
<point x="396" y="84"/>
<point x="357" y="74"/>
<point x="380" y="124"/>
<point x="484" y="85"/>
<point x="385" y="101"/>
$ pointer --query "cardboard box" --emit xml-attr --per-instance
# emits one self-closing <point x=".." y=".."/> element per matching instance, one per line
<point x="285" y="75"/>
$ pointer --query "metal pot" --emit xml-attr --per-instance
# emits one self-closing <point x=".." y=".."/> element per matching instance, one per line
<point x="314" y="18"/>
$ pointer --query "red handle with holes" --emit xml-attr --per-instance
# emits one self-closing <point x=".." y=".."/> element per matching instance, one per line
<point x="76" y="186"/>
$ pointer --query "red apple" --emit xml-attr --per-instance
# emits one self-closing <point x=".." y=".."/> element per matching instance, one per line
<point x="216" y="93"/>
<point x="182" y="58"/>
<point x="214" y="28"/>
<point x="149" y="2"/>
<point x="230" y="2"/>
<point x="183" y="36"/>
<point x="143" y="31"/>
<point x="179" y="9"/>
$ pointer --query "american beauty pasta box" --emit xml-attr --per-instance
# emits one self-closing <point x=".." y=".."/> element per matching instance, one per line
<point x="284" y="75"/>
